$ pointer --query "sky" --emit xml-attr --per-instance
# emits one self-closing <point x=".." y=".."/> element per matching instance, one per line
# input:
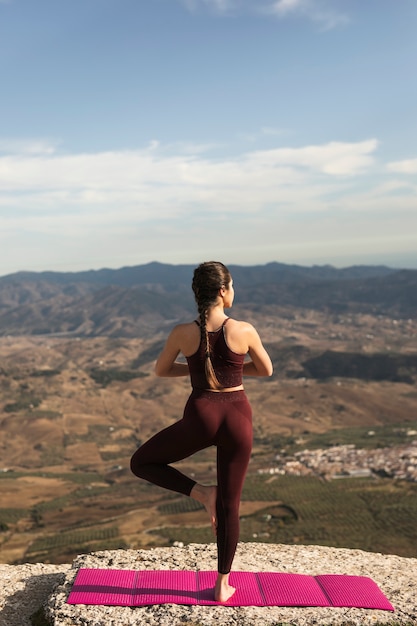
<point x="180" y="131"/>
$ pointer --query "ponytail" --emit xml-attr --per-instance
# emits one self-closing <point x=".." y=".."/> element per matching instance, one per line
<point x="208" y="365"/>
<point x="208" y="279"/>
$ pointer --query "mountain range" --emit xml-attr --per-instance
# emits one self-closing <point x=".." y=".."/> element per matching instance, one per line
<point x="142" y="299"/>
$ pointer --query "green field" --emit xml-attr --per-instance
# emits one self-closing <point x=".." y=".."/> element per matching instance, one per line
<point x="374" y="514"/>
<point x="85" y="540"/>
<point x="377" y="515"/>
<point x="382" y="436"/>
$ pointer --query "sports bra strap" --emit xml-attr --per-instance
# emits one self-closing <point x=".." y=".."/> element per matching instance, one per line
<point x="215" y="331"/>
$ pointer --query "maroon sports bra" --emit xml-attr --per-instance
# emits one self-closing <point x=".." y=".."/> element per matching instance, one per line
<point x="227" y="364"/>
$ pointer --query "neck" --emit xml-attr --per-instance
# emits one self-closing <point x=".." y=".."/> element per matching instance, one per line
<point x="216" y="315"/>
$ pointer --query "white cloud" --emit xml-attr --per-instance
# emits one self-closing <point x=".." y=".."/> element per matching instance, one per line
<point x="26" y="146"/>
<point x="283" y="7"/>
<point x="321" y="12"/>
<point x="334" y="158"/>
<point x="313" y="198"/>
<point x="408" y="166"/>
<point x="152" y="179"/>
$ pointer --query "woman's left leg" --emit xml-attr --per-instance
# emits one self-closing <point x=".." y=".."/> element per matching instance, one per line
<point x="234" y="448"/>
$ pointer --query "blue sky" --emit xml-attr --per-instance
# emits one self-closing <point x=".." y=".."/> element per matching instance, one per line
<point x="179" y="131"/>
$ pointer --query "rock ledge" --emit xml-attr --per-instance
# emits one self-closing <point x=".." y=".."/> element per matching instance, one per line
<point x="25" y="588"/>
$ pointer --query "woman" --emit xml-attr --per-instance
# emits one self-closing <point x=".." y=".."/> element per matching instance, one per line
<point x="217" y="411"/>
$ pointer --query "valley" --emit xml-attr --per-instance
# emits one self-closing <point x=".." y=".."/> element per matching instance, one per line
<point x="74" y="408"/>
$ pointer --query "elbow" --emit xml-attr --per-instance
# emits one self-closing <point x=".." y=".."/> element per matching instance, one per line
<point x="268" y="369"/>
<point x="158" y="370"/>
<point x="265" y="371"/>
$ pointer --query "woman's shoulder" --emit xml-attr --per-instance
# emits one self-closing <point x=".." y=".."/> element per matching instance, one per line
<point x="239" y="325"/>
<point x="239" y="335"/>
<point x="185" y="328"/>
<point x="240" y="329"/>
<point x="185" y="337"/>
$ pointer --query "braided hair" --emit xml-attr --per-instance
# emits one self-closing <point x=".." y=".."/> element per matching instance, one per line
<point x="208" y="279"/>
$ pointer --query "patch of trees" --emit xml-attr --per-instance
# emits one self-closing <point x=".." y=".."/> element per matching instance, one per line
<point x="392" y="367"/>
<point x="104" y="377"/>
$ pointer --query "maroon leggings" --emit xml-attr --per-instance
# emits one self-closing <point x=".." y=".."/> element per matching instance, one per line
<point x="222" y="419"/>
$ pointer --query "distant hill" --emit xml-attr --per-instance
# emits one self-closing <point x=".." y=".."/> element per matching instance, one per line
<point x="169" y="275"/>
<point x="142" y="299"/>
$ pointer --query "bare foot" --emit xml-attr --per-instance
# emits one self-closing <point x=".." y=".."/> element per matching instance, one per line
<point x="223" y="591"/>
<point x="207" y="495"/>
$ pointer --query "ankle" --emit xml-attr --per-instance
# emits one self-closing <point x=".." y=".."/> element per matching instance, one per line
<point x="223" y="591"/>
<point x="198" y="492"/>
<point x="222" y="579"/>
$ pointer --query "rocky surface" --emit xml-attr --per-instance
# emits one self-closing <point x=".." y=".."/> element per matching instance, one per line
<point x="25" y="588"/>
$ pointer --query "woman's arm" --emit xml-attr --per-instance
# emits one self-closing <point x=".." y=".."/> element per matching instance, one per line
<point x="260" y="363"/>
<point x="166" y="364"/>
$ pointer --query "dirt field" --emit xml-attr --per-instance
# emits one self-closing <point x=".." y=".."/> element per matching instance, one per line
<point x="72" y="412"/>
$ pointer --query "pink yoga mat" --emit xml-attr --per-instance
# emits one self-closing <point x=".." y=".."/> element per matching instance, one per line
<point x="355" y="591"/>
<point x="292" y="590"/>
<point x="156" y="587"/>
<point x="142" y="587"/>
<point x="101" y="586"/>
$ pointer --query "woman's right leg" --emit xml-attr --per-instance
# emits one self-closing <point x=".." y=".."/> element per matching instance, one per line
<point x="176" y="442"/>
<point x="152" y="460"/>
